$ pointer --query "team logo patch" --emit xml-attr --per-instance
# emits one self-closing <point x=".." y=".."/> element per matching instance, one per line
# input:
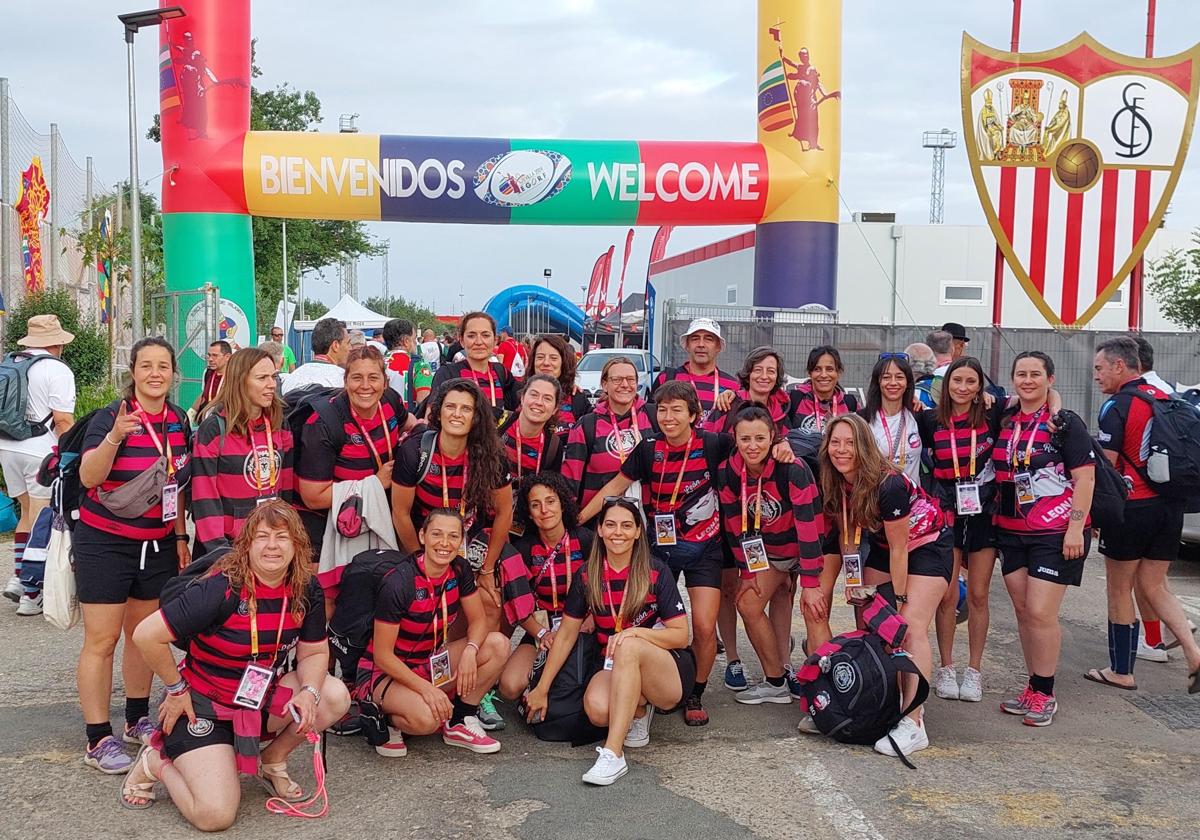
<point x="435" y="469"/>
<point x="621" y="442"/>
<point x="243" y="607"/>
<point x="843" y="676"/>
<point x="821" y="701"/>
<point x="356" y="439"/>
<point x="256" y="468"/>
<point x="421" y="594"/>
<point x="770" y="507"/>
<point x="200" y="727"/>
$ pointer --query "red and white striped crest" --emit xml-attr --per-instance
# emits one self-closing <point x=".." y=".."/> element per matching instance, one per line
<point x="1075" y="153"/>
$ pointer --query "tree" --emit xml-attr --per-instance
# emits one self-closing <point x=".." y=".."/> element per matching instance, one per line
<point x="1175" y="282"/>
<point x="401" y="307"/>
<point x="311" y="244"/>
<point x="314" y="310"/>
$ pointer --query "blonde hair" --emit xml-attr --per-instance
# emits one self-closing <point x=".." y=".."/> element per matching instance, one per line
<point x="231" y="398"/>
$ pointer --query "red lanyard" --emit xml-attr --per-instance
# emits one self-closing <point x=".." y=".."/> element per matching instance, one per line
<point x="462" y="501"/>
<point x="954" y="450"/>
<point x="278" y="634"/>
<point x="615" y="609"/>
<point x="491" y="381"/>
<point x="163" y="446"/>
<point x="540" y="450"/>
<point x="833" y="412"/>
<point x="272" y="476"/>
<point x="214" y="385"/>
<point x="1014" y="445"/>
<point x="687" y="451"/>
<point x="564" y="548"/>
<point x="894" y="448"/>
<point x="757" y="502"/>
<point x="445" y="613"/>
<point x="369" y="441"/>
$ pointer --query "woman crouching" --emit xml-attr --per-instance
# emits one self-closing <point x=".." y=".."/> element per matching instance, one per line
<point x="261" y="597"/>
<point x="640" y="621"/>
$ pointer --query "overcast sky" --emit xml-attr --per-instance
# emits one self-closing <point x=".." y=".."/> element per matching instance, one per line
<point x="610" y="69"/>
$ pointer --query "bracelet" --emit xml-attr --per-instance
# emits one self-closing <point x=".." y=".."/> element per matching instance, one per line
<point x="472" y="644"/>
<point x="181" y="538"/>
<point x="542" y="633"/>
<point x="178" y="689"/>
<point x="316" y="694"/>
<point x="901" y="599"/>
<point x="111" y="441"/>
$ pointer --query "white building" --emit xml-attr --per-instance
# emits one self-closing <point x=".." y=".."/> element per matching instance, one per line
<point x="938" y="273"/>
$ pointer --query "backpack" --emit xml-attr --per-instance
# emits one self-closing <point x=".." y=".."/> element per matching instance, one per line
<point x="806" y="446"/>
<point x="191" y="574"/>
<point x="60" y="471"/>
<point x="551" y="444"/>
<point x="850" y="685"/>
<point x="1173" y="468"/>
<point x="1110" y="493"/>
<point x="565" y="718"/>
<point x="354" y="610"/>
<point x="14" y="397"/>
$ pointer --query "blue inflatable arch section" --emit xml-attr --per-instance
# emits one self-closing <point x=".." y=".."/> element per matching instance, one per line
<point x="535" y="309"/>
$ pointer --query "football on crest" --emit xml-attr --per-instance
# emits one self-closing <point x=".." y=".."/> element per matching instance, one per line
<point x="1077" y="166"/>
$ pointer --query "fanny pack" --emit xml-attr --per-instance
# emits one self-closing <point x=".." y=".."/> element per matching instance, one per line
<point x="131" y="499"/>
<point x="349" y="516"/>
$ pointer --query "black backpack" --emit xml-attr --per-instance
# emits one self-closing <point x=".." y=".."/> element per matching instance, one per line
<point x="806" y="446"/>
<point x="354" y="610"/>
<point x="60" y="471"/>
<point x="1173" y="468"/>
<point x="1110" y="493"/>
<point x="190" y="576"/>
<point x="851" y="687"/>
<point x="565" y="718"/>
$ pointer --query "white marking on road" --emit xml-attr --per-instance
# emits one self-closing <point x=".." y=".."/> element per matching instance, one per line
<point x="846" y="818"/>
<point x="1190" y="603"/>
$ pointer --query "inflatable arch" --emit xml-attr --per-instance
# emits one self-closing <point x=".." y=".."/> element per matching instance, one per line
<point x="220" y="173"/>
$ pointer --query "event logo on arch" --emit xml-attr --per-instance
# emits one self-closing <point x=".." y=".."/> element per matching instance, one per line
<point x="1075" y="153"/>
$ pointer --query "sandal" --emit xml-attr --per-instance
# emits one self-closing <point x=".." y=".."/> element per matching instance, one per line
<point x="139" y="790"/>
<point x="270" y="777"/>
<point x="1194" y="682"/>
<point x="1097" y="676"/>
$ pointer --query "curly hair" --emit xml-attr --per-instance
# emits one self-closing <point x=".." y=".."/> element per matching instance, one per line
<point x="757" y="355"/>
<point x="566" y="372"/>
<point x="488" y="465"/>
<point x="236" y="564"/>
<point x="556" y="483"/>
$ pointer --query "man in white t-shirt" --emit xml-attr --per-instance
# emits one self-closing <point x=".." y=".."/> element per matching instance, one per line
<point x="431" y="350"/>
<point x="331" y="346"/>
<point x="50" y="404"/>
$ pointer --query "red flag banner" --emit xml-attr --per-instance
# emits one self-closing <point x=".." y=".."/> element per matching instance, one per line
<point x="624" y="265"/>
<point x="658" y="250"/>
<point x="589" y="304"/>
<point x="606" y="272"/>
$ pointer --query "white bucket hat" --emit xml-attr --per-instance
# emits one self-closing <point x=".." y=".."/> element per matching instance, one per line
<point x="702" y="325"/>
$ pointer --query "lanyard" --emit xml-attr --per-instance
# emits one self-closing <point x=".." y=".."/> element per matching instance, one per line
<point x="159" y="444"/>
<point x="716" y="385"/>
<point x="564" y="548"/>
<point x="757" y="503"/>
<point x="622" y="453"/>
<point x="687" y="452"/>
<point x="541" y="449"/>
<point x="894" y="448"/>
<point x="462" y="501"/>
<point x="846" y="525"/>
<point x="614" y="609"/>
<point x="491" y="382"/>
<point x="369" y="441"/>
<point x="213" y="385"/>
<point x="254" y="631"/>
<point x="1015" y="443"/>
<point x="445" y="612"/>
<point x="272" y="476"/>
<point x="833" y="409"/>
<point x="954" y="451"/>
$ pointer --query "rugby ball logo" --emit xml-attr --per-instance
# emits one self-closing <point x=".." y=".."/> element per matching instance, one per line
<point x="522" y="178"/>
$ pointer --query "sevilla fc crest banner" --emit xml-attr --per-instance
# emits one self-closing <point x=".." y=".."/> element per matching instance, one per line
<point x="1075" y="153"/>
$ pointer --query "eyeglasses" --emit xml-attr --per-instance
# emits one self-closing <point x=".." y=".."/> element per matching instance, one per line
<point x="622" y="380"/>
<point x="901" y="356"/>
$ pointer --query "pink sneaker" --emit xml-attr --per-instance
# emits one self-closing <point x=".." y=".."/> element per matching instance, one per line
<point x="1041" y="709"/>
<point x="1018" y="706"/>
<point x="470" y="735"/>
<point x="395" y="746"/>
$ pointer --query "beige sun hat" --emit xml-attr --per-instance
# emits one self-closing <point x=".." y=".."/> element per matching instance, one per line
<point x="45" y="331"/>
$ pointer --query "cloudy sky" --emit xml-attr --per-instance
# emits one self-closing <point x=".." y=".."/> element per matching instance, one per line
<point x="609" y="69"/>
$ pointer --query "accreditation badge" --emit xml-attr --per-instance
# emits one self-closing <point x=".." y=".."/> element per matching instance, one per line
<point x="170" y="501"/>
<point x="252" y="690"/>
<point x="664" y="529"/>
<point x="439" y="667"/>
<point x="1023" y="481"/>
<point x="967" y="498"/>
<point x="852" y="568"/>
<point x="755" y="552"/>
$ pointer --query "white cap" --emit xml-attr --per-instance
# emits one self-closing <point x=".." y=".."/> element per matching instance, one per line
<point x="702" y="325"/>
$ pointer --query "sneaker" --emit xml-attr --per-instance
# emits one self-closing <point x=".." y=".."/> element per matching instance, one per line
<point x="808" y="726"/>
<point x="13" y="590"/>
<point x="30" y="605"/>
<point x="1174" y="643"/>
<point x="109" y="757"/>
<point x="909" y="736"/>
<point x="971" y="689"/>
<point x="793" y="682"/>
<point x="1157" y="653"/>
<point x="764" y="692"/>
<point x="469" y="735"/>
<point x="639" y="729"/>
<point x="1019" y="705"/>
<point x="693" y="712"/>
<point x="735" y="676"/>
<point x="140" y="733"/>
<point x="489" y="718"/>
<point x="608" y="768"/>
<point x="1041" y="709"/>
<point x="720" y="648"/>
<point x="350" y="724"/>
<point x="395" y="746"/>
<point x="945" y="682"/>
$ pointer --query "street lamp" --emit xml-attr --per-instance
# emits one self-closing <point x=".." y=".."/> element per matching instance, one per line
<point x="546" y="273"/>
<point x="133" y="21"/>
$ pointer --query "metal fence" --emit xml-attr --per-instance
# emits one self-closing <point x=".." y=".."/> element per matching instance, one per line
<point x="1177" y="355"/>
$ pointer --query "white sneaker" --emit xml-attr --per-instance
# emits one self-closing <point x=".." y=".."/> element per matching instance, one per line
<point x="13" y="590"/>
<point x="971" y="689"/>
<point x="909" y="737"/>
<point x="808" y="726"/>
<point x="639" y="729"/>
<point x="945" y="683"/>
<point x="30" y="606"/>
<point x="395" y="746"/>
<point x="608" y="768"/>
<point x="1157" y="653"/>
<point x="764" y="692"/>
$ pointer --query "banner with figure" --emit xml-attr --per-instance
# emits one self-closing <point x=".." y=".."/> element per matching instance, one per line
<point x="1075" y="153"/>
<point x="33" y="203"/>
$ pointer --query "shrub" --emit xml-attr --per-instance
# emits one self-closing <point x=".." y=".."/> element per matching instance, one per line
<point x="88" y="355"/>
<point x="90" y="397"/>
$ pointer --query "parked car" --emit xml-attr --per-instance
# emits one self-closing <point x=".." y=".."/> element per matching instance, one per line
<point x="587" y="375"/>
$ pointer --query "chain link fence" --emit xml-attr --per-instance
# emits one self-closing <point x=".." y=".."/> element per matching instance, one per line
<point x="1177" y="355"/>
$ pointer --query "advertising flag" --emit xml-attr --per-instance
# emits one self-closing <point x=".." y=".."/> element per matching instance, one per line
<point x="624" y="265"/>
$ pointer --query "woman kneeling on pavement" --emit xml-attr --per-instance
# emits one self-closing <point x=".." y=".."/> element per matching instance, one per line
<point x="640" y="621"/>
<point x="909" y="548"/>
<point x="553" y="548"/>
<point x="770" y="513"/>
<point x="422" y="680"/>
<point x="242" y="619"/>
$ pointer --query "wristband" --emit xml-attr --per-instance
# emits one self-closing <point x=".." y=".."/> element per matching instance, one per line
<point x="178" y="689"/>
<point x="316" y="694"/>
<point x="901" y="599"/>
<point x="111" y="441"/>
<point x="181" y="538"/>
<point x="542" y="633"/>
<point x="473" y="645"/>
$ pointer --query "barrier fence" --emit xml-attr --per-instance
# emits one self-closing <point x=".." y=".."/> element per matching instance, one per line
<point x="1177" y="355"/>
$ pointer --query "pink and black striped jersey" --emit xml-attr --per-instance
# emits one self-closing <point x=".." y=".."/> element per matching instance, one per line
<point x="661" y="604"/>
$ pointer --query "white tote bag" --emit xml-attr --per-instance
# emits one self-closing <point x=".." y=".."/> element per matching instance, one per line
<point x="60" y="603"/>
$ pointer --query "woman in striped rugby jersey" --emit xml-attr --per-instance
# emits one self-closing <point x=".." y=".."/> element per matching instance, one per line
<point x="553" y="356"/>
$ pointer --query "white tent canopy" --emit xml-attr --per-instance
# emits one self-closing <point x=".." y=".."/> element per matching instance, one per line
<point x="352" y="312"/>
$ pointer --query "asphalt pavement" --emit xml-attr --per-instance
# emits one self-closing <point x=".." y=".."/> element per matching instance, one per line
<point x="1113" y="765"/>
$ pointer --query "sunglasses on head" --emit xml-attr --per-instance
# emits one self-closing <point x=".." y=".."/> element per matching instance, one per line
<point x="901" y="356"/>
<point x="623" y="500"/>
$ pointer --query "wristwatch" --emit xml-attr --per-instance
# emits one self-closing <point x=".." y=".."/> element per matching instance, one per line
<point x="901" y="599"/>
<point x="316" y="694"/>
